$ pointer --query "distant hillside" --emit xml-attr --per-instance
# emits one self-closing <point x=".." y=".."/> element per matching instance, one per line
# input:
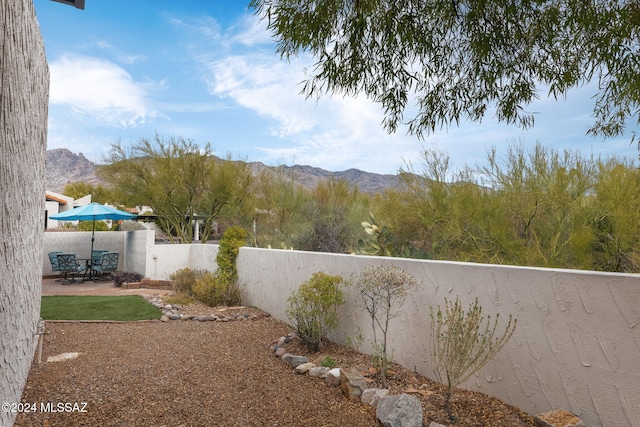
<point x="64" y="167"/>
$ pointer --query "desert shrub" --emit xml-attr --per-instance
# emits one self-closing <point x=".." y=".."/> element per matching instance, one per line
<point x="312" y="308"/>
<point x="182" y="281"/>
<point x="212" y="291"/>
<point x="382" y="291"/>
<point x="232" y="239"/>
<point x="221" y="287"/>
<point x="462" y="343"/>
<point x="125" y="277"/>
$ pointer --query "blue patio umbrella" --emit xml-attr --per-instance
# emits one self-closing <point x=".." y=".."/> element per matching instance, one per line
<point x="92" y="212"/>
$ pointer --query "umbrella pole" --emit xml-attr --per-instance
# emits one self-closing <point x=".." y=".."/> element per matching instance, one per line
<point x="93" y="233"/>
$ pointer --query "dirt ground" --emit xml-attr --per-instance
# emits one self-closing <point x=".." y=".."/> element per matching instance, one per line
<point x="190" y="373"/>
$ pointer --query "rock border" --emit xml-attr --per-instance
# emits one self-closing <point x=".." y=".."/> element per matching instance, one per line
<point x="219" y="314"/>
<point x="403" y="410"/>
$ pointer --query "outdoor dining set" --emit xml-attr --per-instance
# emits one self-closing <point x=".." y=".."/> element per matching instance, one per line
<point x="101" y="264"/>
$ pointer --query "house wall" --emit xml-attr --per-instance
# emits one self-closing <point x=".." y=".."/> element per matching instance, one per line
<point x="576" y="346"/>
<point x="24" y="93"/>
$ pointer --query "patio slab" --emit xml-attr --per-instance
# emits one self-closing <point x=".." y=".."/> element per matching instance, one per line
<point x="50" y="286"/>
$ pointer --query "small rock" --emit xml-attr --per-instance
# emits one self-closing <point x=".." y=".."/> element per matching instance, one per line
<point x="352" y="383"/>
<point x="399" y="411"/>
<point x="280" y="351"/>
<point x="335" y="372"/>
<point x="295" y="361"/>
<point x="164" y="318"/>
<point x="371" y="396"/>
<point x="319" y="371"/>
<point x="332" y="380"/>
<point x="173" y="316"/>
<point x="304" y="367"/>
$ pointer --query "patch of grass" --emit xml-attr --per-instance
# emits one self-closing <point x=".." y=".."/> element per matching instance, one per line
<point x="328" y="362"/>
<point x="122" y="308"/>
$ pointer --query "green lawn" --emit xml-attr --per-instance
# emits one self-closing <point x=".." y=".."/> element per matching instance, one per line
<point x="123" y="308"/>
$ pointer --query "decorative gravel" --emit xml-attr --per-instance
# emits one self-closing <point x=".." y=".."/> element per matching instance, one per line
<point x="180" y="373"/>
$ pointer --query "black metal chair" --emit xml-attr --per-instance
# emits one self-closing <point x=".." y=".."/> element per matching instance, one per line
<point x="68" y="264"/>
<point x="108" y="263"/>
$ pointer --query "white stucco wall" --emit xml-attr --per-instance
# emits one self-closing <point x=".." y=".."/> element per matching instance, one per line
<point x="135" y="244"/>
<point x="576" y="347"/>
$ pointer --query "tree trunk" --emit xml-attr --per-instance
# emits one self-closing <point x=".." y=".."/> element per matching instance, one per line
<point x="24" y="96"/>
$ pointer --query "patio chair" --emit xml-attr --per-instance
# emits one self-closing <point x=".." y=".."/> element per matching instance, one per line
<point x="108" y="263"/>
<point x="96" y="256"/>
<point x="68" y="264"/>
<point x="55" y="268"/>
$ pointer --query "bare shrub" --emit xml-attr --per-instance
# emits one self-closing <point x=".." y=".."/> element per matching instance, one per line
<point x="462" y="343"/>
<point x="383" y="290"/>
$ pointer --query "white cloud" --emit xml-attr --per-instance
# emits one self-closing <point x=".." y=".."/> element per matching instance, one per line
<point x="101" y="90"/>
<point x="203" y="28"/>
<point x="334" y="131"/>
<point x="118" y="54"/>
<point x="251" y="31"/>
<point x="266" y="87"/>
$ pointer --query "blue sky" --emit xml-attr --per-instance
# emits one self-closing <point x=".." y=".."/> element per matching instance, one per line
<point x="208" y="71"/>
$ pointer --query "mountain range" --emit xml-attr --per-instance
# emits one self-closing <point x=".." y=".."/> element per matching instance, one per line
<point x="64" y="166"/>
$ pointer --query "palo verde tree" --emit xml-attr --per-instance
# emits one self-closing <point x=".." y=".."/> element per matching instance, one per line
<point x="335" y="209"/>
<point x="280" y="219"/>
<point x="99" y="193"/>
<point x="456" y="59"/>
<point x="179" y="180"/>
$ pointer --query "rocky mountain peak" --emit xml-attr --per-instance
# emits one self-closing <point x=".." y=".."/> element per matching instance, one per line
<point x="63" y="167"/>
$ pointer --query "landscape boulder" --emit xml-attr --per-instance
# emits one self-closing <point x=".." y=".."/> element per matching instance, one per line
<point x="400" y="410"/>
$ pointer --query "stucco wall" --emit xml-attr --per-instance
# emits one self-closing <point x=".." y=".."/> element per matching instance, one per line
<point x="576" y="347"/>
<point x="24" y="93"/>
<point x="135" y="244"/>
<point x="138" y="251"/>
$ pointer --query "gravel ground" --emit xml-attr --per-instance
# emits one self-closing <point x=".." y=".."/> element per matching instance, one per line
<point x="180" y="373"/>
<point x="189" y="373"/>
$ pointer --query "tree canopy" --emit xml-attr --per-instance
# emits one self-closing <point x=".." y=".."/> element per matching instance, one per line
<point x="179" y="180"/>
<point x="459" y="59"/>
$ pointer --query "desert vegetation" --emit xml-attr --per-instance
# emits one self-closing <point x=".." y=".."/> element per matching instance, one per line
<point x="532" y="207"/>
